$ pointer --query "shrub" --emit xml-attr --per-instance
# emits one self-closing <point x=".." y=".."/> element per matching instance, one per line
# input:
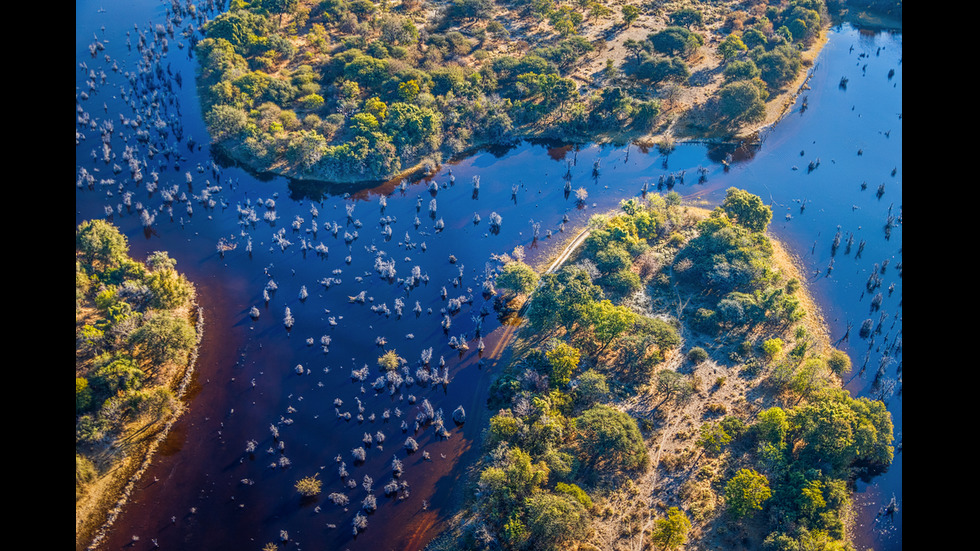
<point x="309" y="486"/>
<point x="839" y="362"/>
<point x="771" y="348"/>
<point x="697" y="355"/>
<point x="592" y="388"/>
<point x="575" y="492"/>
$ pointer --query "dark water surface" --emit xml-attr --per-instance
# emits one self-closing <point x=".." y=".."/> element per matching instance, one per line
<point x="204" y="491"/>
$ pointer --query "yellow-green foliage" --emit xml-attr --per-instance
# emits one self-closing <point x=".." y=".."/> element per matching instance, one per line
<point x="135" y="336"/>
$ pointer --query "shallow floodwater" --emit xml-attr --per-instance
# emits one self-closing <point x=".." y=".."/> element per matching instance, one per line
<point x="206" y="491"/>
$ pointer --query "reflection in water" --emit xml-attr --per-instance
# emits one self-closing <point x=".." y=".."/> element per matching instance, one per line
<point x="309" y="397"/>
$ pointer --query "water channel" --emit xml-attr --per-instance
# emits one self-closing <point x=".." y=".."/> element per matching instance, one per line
<point x="366" y="255"/>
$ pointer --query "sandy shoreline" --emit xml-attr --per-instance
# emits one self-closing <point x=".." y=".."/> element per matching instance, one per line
<point x="97" y="511"/>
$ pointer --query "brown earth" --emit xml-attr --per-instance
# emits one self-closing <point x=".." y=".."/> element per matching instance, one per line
<point x="120" y="461"/>
<point x="679" y="475"/>
<point x="681" y="118"/>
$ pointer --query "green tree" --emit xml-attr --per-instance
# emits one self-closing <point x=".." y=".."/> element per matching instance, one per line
<point x="697" y="355"/>
<point x="630" y="14"/>
<point x="503" y="427"/>
<point x="608" y="321"/>
<point x="713" y="438"/>
<point x="771" y="426"/>
<point x="687" y="17"/>
<point x="746" y="492"/>
<point x="563" y="359"/>
<point x="753" y="37"/>
<point x="740" y="70"/>
<point x="599" y="10"/>
<point x="634" y="47"/>
<point x="121" y="374"/>
<point x="839" y="362"/>
<point x="771" y="348"/>
<point x="83" y="394"/>
<point x="778" y="66"/>
<point x="411" y="125"/>
<point x="555" y="520"/>
<point x="659" y="69"/>
<point x="747" y="209"/>
<point x="672" y="384"/>
<point x="572" y="490"/>
<point x="280" y="7"/>
<point x="743" y="101"/>
<point x="676" y="40"/>
<point x="168" y="288"/>
<point x="517" y="277"/>
<point x="505" y="485"/>
<point x="610" y="438"/>
<point x="100" y="243"/>
<point x="151" y="405"/>
<point x="376" y="108"/>
<point x="307" y="148"/>
<point x="839" y="432"/>
<point x="561" y="299"/>
<point x="409" y="90"/>
<point x="242" y="29"/>
<point x="470" y="9"/>
<point x="164" y="337"/>
<point x="226" y="122"/>
<point x="592" y="388"/>
<point x="731" y="46"/>
<point x="671" y="531"/>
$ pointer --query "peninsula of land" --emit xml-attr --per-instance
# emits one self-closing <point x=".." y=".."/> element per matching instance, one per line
<point x="355" y="90"/>
<point x="672" y="385"/>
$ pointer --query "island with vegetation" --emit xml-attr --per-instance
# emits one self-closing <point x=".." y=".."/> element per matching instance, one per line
<point x="672" y="385"/>
<point x="137" y="328"/>
<point x="357" y="90"/>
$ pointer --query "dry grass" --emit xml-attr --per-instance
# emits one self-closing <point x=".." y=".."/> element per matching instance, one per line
<point x="680" y="475"/>
<point x="120" y="461"/>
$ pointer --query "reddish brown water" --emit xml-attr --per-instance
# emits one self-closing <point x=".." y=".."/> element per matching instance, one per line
<point x="204" y="491"/>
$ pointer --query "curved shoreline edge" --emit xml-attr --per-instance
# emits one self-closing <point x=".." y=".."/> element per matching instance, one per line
<point x="132" y="471"/>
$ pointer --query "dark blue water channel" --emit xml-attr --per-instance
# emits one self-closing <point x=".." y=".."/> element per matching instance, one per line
<point x="393" y="246"/>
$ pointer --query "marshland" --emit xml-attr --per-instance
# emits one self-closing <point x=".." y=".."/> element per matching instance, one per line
<point x="352" y="332"/>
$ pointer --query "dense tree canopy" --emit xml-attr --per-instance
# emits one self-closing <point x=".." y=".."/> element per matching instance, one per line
<point x="747" y="209"/>
<point x="746" y="492"/>
<point x="676" y="41"/>
<point x="454" y="76"/>
<point x="610" y="439"/>
<point x="842" y="432"/>
<point x="101" y="243"/>
<point x="517" y="277"/>
<point x="134" y="339"/>
<point x="743" y="101"/>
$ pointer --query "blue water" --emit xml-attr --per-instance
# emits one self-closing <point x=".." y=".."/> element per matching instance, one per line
<point x="205" y="491"/>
